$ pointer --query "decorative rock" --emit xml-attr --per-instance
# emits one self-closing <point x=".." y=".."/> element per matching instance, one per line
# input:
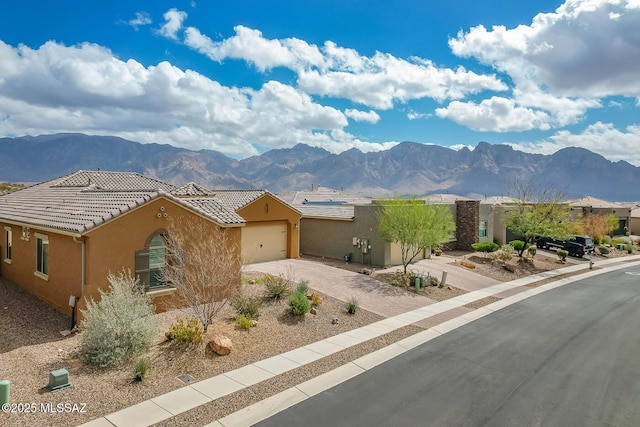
<point x="254" y="323"/>
<point x="313" y="311"/>
<point x="168" y="335"/>
<point x="221" y="345"/>
<point x="334" y="321"/>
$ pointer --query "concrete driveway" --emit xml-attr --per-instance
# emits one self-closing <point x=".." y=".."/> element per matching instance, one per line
<point x="371" y="294"/>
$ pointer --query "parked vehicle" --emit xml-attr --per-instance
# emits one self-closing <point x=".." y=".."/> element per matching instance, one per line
<point x="576" y="246"/>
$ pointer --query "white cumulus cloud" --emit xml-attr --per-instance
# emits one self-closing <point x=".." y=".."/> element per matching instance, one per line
<point x="85" y="88"/>
<point x="586" y="48"/>
<point x="173" y="23"/>
<point x="362" y="116"/>
<point x="142" y="18"/>
<point x="378" y="81"/>
<point x="602" y="138"/>
<point x="495" y="114"/>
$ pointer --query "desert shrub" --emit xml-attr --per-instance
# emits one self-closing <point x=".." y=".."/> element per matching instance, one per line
<point x="619" y="241"/>
<point x="243" y="322"/>
<point x="189" y="332"/>
<point x="276" y="287"/>
<point x="526" y="260"/>
<point x="316" y="300"/>
<point x="367" y="271"/>
<point x="303" y="287"/>
<point x="532" y="251"/>
<point x="467" y="264"/>
<point x="119" y="326"/>
<point x="562" y="254"/>
<point x="504" y="254"/>
<point x="434" y="281"/>
<point x="140" y="368"/>
<point x="485" y="247"/>
<point x="607" y="240"/>
<point x="519" y="245"/>
<point x="351" y="306"/>
<point x="507" y="249"/>
<point x="630" y="249"/>
<point x="603" y="250"/>
<point x="299" y="304"/>
<point x="246" y="306"/>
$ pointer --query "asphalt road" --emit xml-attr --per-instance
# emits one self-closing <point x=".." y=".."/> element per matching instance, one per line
<point x="566" y="357"/>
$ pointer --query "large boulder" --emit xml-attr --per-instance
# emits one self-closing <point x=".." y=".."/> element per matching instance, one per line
<point x="221" y="345"/>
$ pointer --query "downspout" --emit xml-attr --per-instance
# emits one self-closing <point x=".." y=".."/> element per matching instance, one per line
<point x="83" y="259"/>
<point x="84" y="277"/>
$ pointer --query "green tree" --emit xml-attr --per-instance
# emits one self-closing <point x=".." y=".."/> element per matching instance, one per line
<point x="538" y="213"/>
<point x="415" y="226"/>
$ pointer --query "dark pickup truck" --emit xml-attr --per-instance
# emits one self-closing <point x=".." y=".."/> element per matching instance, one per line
<point x="576" y="246"/>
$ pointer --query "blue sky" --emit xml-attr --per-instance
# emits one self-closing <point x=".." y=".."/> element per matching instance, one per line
<point x="243" y="77"/>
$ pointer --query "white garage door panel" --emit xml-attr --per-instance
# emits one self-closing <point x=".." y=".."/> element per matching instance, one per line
<point x="264" y="242"/>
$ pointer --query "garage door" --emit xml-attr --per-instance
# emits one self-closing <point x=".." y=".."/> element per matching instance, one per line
<point x="264" y="242"/>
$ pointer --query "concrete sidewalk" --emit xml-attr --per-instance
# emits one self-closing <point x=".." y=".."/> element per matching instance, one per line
<point x="191" y="396"/>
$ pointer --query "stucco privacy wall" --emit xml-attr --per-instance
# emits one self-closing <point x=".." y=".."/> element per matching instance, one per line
<point x="333" y="238"/>
<point x="64" y="270"/>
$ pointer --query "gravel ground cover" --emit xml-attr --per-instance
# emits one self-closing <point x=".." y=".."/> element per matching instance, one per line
<point x="31" y="346"/>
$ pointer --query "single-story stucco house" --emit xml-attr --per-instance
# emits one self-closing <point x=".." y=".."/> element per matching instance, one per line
<point x="62" y="238"/>
<point x="335" y="224"/>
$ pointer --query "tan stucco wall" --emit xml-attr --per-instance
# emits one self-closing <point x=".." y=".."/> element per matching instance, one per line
<point x="112" y="247"/>
<point x="108" y="248"/>
<point x="270" y="209"/>
<point x="64" y="278"/>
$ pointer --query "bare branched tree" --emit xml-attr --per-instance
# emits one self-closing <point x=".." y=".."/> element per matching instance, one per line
<point x="204" y="265"/>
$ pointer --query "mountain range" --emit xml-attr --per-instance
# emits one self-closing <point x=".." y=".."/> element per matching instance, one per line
<point x="407" y="168"/>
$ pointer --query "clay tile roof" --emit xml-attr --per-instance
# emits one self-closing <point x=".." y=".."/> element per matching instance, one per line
<point x="191" y="189"/>
<point x="80" y="201"/>
<point x="214" y="209"/>
<point x="594" y="202"/>
<point x="115" y="181"/>
<point x="444" y="198"/>
<point x="237" y="199"/>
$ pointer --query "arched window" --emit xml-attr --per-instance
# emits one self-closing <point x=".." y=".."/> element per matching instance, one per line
<point x="157" y="260"/>
<point x="151" y="260"/>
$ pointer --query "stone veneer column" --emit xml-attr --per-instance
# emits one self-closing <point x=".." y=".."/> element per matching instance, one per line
<point x="467" y="223"/>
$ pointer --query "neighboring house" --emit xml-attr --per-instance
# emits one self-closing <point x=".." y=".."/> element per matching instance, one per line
<point x="62" y="238"/>
<point x="634" y="227"/>
<point x="593" y="206"/>
<point x="493" y="213"/>
<point x="496" y="207"/>
<point x="335" y="224"/>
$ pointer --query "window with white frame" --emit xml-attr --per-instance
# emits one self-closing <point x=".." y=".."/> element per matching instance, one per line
<point x="42" y="254"/>
<point x="8" y="243"/>
<point x="483" y="228"/>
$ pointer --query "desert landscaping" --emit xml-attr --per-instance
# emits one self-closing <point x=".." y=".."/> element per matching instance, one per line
<point x="32" y="345"/>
